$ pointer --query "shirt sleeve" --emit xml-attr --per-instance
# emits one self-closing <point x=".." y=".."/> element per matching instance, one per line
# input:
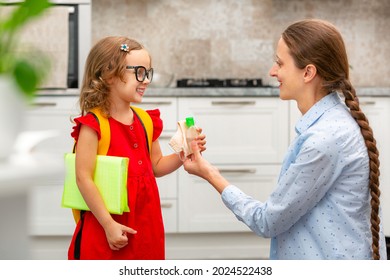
<point x="157" y="123"/>
<point x="299" y="189"/>
<point x="89" y="120"/>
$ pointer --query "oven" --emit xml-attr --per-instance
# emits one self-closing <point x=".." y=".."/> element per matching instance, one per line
<point x="63" y="35"/>
<point x="79" y="44"/>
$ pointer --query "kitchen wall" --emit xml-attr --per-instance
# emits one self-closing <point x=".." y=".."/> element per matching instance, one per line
<point x="236" y="39"/>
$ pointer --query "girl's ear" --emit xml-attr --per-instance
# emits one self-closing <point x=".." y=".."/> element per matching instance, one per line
<point x="310" y="73"/>
<point x="109" y="81"/>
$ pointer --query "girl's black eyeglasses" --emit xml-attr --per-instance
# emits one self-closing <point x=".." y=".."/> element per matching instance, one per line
<point x="141" y="73"/>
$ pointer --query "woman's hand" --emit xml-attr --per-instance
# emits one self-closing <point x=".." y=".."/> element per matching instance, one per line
<point x="116" y="235"/>
<point x="195" y="164"/>
<point x="201" y="140"/>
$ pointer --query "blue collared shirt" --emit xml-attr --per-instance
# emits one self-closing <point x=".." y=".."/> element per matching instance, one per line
<point x="320" y="208"/>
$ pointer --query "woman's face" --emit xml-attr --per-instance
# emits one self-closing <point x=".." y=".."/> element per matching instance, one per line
<point x="131" y="90"/>
<point x="289" y="76"/>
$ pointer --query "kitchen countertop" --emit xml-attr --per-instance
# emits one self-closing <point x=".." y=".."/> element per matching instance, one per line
<point x="243" y="92"/>
<point x="221" y="92"/>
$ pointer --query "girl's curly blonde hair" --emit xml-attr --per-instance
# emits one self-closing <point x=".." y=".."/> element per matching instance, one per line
<point x="106" y="60"/>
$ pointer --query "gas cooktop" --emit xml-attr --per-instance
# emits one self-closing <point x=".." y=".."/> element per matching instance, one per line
<point x="219" y="83"/>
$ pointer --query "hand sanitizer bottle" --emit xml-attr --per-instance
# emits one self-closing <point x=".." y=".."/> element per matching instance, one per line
<point x="191" y="133"/>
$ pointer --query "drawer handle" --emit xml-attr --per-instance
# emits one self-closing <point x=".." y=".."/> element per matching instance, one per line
<point x="238" y="170"/>
<point x="166" y="205"/>
<point x="367" y="103"/>
<point x="157" y="103"/>
<point x="45" y="104"/>
<point x="241" y="103"/>
<point x="166" y="135"/>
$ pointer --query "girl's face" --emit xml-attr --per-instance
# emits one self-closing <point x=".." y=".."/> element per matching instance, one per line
<point x="130" y="90"/>
<point x="289" y="76"/>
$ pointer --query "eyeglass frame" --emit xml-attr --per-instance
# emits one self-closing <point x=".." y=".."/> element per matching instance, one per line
<point x="146" y="75"/>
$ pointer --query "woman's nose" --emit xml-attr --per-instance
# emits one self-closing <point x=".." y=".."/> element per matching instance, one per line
<point x="272" y="72"/>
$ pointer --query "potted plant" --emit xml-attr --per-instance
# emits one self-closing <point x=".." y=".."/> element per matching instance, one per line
<point x="20" y="75"/>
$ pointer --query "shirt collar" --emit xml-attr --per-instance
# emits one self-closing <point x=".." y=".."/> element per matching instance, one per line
<point x="316" y="111"/>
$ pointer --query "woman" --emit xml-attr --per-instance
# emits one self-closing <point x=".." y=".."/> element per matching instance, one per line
<point x="326" y="203"/>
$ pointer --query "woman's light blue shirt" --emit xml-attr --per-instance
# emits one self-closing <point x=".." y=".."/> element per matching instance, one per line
<point x="320" y="208"/>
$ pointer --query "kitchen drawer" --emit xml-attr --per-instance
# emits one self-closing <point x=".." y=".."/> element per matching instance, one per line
<point x="240" y="130"/>
<point x="46" y="215"/>
<point x="53" y="114"/>
<point x="42" y="104"/>
<point x="201" y="208"/>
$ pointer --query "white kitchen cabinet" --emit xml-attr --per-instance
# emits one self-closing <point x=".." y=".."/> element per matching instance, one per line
<point x="246" y="138"/>
<point x="377" y="111"/>
<point x="245" y="130"/>
<point x="46" y="215"/>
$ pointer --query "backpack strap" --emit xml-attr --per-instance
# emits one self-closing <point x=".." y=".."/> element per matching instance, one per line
<point x="147" y="124"/>
<point x="105" y="132"/>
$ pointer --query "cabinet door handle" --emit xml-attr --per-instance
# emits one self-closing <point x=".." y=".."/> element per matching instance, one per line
<point x="241" y="103"/>
<point x="157" y="103"/>
<point x="166" y="205"/>
<point x="238" y="170"/>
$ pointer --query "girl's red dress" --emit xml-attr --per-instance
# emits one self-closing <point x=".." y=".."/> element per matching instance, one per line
<point x="143" y="196"/>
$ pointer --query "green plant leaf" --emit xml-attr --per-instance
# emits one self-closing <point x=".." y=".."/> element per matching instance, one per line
<point x="26" y="11"/>
<point x="26" y="77"/>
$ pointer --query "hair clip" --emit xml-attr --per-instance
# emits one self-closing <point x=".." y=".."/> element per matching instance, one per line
<point x="124" y="47"/>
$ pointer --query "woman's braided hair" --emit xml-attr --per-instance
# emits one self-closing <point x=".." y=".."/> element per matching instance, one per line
<point x="318" y="42"/>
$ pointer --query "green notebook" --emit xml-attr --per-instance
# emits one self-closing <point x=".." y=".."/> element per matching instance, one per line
<point x="110" y="178"/>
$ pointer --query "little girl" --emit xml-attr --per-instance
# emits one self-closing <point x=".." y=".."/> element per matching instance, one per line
<point x="117" y="73"/>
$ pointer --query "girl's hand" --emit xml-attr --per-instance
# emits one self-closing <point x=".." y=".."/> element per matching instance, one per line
<point x="117" y="235"/>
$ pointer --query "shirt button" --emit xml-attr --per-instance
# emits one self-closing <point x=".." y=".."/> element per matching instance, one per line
<point x="139" y="162"/>
<point x="135" y="145"/>
<point x="131" y="127"/>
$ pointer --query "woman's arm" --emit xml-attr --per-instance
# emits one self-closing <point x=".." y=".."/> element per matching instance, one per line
<point x="198" y="166"/>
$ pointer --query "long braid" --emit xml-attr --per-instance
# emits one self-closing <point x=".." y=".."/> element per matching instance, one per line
<point x="353" y="104"/>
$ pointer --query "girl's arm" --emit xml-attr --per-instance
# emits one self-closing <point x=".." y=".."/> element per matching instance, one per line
<point x="87" y="145"/>
<point x="163" y="165"/>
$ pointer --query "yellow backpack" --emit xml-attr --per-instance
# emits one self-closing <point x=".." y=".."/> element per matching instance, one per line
<point x="105" y="132"/>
